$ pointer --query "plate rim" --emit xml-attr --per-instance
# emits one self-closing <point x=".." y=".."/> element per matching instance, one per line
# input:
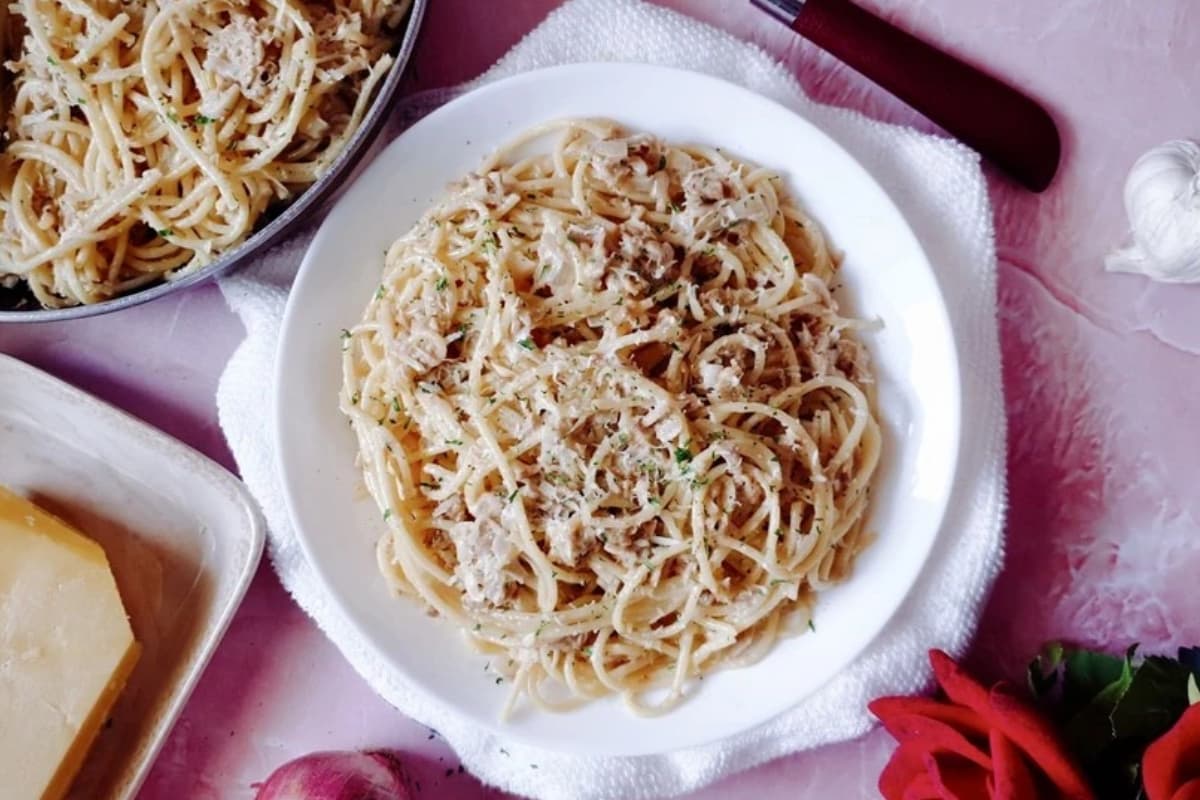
<point x="292" y="314"/>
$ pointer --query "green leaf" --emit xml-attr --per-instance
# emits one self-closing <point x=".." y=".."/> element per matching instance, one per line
<point x="1087" y="673"/>
<point x="1110" y="709"/>
<point x="1042" y="672"/>
<point x="1090" y="730"/>
<point x="1133" y="776"/>
<point x="1155" y="699"/>
<point x="1190" y="658"/>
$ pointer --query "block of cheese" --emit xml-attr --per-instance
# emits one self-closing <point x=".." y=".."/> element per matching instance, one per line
<point x="66" y="649"/>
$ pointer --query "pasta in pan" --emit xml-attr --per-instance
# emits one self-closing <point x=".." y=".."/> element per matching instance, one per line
<point x="146" y="139"/>
<point x="617" y="427"/>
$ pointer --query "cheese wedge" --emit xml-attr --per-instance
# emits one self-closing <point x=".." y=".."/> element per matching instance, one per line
<point x="66" y="649"/>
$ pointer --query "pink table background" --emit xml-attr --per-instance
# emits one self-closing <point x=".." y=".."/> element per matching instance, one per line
<point x="1100" y="371"/>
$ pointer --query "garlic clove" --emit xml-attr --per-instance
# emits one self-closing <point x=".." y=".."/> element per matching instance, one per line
<point x="1162" y="200"/>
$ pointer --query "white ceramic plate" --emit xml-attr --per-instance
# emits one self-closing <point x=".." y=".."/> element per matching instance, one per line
<point x="885" y="274"/>
<point x="181" y="533"/>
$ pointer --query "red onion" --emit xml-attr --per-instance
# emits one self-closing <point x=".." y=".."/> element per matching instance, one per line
<point x="375" y="775"/>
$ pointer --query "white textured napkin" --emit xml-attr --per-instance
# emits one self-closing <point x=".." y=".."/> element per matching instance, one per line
<point x="939" y="187"/>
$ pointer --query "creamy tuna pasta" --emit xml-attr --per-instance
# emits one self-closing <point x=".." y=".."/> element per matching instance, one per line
<point x="616" y="426"/>
<point x="146" y="139"/>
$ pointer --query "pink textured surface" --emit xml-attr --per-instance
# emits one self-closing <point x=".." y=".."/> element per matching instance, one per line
<point x="1100" y="374"/>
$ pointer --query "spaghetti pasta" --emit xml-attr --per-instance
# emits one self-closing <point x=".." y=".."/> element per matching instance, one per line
<point x="145" y="139"/>
<point x="618" y="429"/>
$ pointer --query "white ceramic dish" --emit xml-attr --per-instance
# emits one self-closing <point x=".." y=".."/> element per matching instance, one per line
<point x="181" y="533"/>
<point x="886" y="275"/>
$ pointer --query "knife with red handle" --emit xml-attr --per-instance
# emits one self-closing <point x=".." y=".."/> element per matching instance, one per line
<point x="1004" y="125"/>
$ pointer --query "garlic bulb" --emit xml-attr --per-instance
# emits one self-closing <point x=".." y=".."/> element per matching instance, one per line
<point x="1162" y="199"/>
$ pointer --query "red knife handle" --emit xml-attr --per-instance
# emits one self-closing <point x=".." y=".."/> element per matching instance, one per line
<point x="1001" y="123"/>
